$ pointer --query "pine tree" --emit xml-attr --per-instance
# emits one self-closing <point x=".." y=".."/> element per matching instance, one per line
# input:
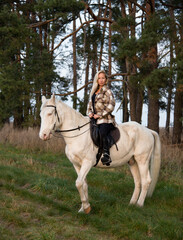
<point x="28" y="31"/>
<point x="13" y="34"/>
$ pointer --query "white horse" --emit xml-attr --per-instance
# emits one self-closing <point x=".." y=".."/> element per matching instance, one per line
<point x="138" y="146"/>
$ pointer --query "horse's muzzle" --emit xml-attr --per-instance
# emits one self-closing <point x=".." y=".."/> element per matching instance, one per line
<point x="45" y="136"/>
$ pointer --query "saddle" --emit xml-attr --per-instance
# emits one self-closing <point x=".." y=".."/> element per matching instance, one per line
<point x="112" y="137"/>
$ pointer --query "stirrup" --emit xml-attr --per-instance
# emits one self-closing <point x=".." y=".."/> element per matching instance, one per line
<point x="106" y="160"/>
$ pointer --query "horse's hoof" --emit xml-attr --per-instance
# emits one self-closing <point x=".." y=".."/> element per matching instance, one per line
<point x="139" y="205"/>
<point x="81" y="210"/>
<point x="87" y="210"/>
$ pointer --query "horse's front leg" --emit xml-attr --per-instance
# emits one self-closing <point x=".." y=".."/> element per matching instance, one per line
<point x="82" y="186"/>
<point x="85" y="187"/>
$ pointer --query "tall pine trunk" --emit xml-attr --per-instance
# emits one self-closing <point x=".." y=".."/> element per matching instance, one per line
<point x="110" y="44"/>
<point x="170" y="88"/>
<point x="178" y="115"/>
<point x="132" y="85"/>
<point x="86" y="97"/>
<point x="74" y="66"/>
<point x="103" y="36"/>
<point x="125" y="103"/>
<point x="153" y="96"/>
<point x="178" y="103"/>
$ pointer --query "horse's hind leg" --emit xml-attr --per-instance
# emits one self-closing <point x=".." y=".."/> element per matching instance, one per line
<point x="136" y="176"/>
<point x="143" y="165"/>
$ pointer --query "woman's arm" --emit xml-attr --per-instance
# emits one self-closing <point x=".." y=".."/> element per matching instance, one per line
<point x="89" y="111"/>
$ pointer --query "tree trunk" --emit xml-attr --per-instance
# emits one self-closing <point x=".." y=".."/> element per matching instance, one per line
<point x="37" y="110"/>
<point x="178" y="115"/>
<point x="133" y="100"/>
<point x="74" y="67"/>
<point x="153" y="112"/>
<point x="178" y="104"/>
<point x="110" y="44"/>
<point x="18" y="117"/>
<point x="86" y="97"/>
<point x="94" y="60"/>
<point x="132" y="86"/>
<point x="170" y="87"/>
<point x="102" y="41"/>
<point x="140" y="100"/>
<point x="125" y="103"/>
<point x="153" y="96"/>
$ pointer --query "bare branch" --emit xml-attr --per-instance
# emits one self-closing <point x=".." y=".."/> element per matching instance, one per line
<point x="170" y="5"/>
<point x="85" y="23"/>
<point x="138" y="5"/>
<point x="69" y="35"/>
<point x="38" y="24"/>
<point x="110" y="80"/>
<point x="164" y="55"/>
<point x="94" y="16"/>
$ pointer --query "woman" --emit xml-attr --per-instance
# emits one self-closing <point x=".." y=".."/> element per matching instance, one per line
<point x="100" y="107"/>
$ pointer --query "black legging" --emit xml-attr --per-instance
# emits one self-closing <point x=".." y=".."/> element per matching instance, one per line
<point x="104" y="129"/>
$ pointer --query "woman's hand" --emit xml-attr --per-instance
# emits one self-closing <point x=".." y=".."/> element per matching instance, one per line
<point x="91" y="115"/>
<point x="96" y="116"/>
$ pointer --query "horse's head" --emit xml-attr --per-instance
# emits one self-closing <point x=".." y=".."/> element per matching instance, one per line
<point x="48" y="117"/>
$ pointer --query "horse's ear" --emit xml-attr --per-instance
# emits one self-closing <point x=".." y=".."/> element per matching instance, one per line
<point x="53" y="98"/>
<point x="43" y="99"/>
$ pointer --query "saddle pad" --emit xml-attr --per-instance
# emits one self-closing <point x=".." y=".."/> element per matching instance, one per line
<point x="115" y="133"/>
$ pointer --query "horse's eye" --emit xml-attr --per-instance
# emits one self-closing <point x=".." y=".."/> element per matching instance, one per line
<point x="49" y="114"/>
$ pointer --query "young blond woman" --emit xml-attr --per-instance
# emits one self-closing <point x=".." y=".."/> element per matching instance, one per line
<point x="100" y="107"/>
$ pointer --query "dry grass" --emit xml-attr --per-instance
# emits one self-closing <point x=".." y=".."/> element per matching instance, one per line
<point x="29" y="139"/>
<point x="170" y="152"/>
<point x="172" y="158"/>
<point x="172" y="155"/>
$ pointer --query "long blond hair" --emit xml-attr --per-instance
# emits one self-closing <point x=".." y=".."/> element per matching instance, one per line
<point x="95" y="82"/>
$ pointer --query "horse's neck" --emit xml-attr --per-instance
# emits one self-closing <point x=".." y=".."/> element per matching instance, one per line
<point x="70" y="118"/>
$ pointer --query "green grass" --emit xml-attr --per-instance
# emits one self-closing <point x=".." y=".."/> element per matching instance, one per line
<point x="39" y="201"/>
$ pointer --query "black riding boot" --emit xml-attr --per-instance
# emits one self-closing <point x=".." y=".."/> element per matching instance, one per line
<point x="106" y="159"/>
<point x="99" y="154"/>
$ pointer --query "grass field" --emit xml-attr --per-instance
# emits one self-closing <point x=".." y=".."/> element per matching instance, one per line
<point x="39" y="201"/>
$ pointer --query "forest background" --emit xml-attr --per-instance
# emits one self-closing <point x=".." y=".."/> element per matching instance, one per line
<point x="138" y="42"/>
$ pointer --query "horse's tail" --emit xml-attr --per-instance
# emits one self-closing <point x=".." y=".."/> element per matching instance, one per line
<point x="155" y="163"/>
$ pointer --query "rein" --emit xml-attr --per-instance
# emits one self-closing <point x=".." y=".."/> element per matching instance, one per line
<point x="68" y="130"/>
<point x="62" y="136"/>
<point x="73" y="129"/>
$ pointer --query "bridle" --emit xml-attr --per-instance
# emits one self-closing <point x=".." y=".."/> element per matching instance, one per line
<point x="56" y="113"/>
<point x="68" y="130"/>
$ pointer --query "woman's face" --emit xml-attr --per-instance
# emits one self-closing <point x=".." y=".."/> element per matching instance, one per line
<point x="101" y="79"/>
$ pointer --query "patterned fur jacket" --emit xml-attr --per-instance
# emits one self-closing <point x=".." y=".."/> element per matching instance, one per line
<point x="104" y="105"/>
